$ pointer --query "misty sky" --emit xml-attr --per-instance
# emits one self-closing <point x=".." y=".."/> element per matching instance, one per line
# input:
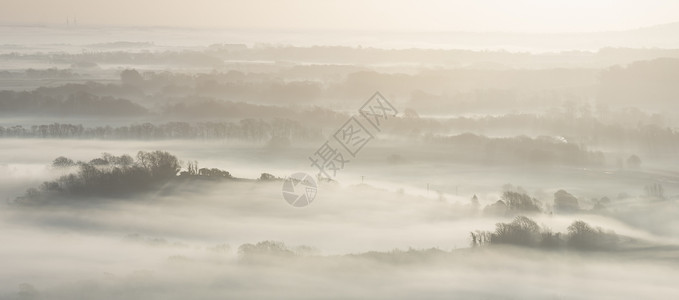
<point x="428" y="15"/>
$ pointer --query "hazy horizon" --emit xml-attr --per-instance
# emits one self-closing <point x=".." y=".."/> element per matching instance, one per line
<point x="74" y="39"/>
<point x="479" y="16"/>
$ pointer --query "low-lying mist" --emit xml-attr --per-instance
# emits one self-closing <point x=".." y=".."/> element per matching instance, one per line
<point x="189" y="239"/>
<point x="163" y="163"/>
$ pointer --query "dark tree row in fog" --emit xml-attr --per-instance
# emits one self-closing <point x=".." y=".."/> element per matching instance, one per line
<point x="515" y="202"/>
<point x="77" y="104"/>
<point x="38" y="74"/>
<point x="111" y="176"/>
<point x="247" y="129"/>
<point x="523" y="231"/>
<point x="107" y="176"/>
<point x="278" y="133"/>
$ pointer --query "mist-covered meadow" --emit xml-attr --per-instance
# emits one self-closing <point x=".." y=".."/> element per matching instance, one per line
<point x="154" y="162"/>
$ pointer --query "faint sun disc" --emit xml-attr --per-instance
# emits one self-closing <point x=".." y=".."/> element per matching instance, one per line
<point x="299" y="189"/>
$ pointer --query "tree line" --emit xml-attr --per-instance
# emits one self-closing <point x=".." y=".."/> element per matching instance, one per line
<point x="247" y="129"/>
<point x="75" y="104"/>
<point x="111" y="176"/>
<point x="106" y="176"/>
<point x="525" y="232"/>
